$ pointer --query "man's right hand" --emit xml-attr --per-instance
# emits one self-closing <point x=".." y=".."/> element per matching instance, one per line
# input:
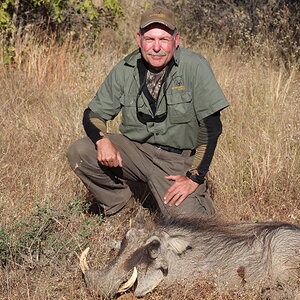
<point x="107" y="153"/>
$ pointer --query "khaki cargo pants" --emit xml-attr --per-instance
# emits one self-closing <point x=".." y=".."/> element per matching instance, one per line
<point x="142" y="162"/>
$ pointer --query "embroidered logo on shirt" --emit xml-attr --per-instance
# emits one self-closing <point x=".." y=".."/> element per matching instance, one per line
<point x="179" y="87"/>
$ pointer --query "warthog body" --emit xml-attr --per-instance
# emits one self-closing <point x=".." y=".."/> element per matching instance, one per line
<point x="265" y="255"/>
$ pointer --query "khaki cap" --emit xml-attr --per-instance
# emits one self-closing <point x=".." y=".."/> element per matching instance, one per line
<point x="158" y="15"/>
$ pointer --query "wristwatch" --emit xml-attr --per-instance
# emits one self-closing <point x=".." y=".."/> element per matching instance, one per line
<point x="195" y="177"/>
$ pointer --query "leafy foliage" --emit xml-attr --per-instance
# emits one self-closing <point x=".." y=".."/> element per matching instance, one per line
<point x="5" y="16"/>
<point x="46" y="234"/>
<point x="58" y="15"/>
<point x="55" y="17"/>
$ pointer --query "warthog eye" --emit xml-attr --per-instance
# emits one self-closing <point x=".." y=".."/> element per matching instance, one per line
<point x="153" y="249"/>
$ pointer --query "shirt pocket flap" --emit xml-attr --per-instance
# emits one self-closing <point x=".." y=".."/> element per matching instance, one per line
<point x="181" y="108"/>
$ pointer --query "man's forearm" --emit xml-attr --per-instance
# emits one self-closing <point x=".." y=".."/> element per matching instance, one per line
<point x="93" y="125"/>
<point x="205" y="151"/>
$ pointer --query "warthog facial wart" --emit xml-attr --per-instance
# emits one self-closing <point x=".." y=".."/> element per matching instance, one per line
<point x="265" y="256"/>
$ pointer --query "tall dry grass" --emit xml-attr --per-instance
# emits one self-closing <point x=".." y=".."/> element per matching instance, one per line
<point x="255" y="174"/>
<point x="42" y="221"/>
<point x="256" y="168"/>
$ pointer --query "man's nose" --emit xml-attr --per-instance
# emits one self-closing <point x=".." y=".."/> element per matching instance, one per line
<point x="156" y="46"/>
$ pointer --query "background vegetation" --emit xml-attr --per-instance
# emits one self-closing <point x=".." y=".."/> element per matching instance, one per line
<point x="266" y="28"/>
<point x="53" y="58"/>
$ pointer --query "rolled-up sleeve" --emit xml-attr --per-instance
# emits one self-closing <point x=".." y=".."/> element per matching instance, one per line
<point x="207" y="93"/>
<point x="106" y="103"/>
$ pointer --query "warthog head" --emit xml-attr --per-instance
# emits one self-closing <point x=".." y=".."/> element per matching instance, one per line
<point x="142" y="262"/>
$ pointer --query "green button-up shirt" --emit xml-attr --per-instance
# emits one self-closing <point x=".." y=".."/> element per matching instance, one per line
<point x="189" y="94"/>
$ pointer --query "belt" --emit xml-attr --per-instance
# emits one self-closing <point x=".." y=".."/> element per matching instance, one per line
<point x="173" y="150"/>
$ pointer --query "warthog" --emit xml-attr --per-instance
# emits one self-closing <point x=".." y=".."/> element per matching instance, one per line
<point x="265" y="255"/>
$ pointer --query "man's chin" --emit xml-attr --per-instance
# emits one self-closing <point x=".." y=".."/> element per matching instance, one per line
<point x="157" y="64"/>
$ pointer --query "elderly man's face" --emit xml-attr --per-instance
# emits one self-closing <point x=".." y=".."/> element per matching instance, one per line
<point x="158" y="44"/>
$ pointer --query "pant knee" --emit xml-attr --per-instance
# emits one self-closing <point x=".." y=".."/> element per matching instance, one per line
<point x="79" y="151"/>
<point x="73" y="155"/>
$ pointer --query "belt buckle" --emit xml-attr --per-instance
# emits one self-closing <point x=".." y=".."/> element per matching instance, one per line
<point x="161" y="147"/>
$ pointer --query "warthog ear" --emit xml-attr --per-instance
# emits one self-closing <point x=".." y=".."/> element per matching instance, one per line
<point x="178" y="244"/>
<point x="153" y="247"/>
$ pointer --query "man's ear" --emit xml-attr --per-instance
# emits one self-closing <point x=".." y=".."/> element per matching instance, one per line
<point x="139" y="38"/>
<point x="177" y="39"/>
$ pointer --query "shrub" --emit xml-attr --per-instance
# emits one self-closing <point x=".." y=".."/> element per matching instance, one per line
<point x="265" y="27"/>
<point x="74" y="17"/>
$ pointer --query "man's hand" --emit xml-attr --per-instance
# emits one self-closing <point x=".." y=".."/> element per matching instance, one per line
<point x="107" y="153"/>
<point x="179" y="190"/>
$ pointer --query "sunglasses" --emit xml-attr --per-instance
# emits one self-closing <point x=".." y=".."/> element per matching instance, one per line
<point x="146" y="118"/>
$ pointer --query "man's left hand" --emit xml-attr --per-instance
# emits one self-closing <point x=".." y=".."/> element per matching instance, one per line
<point x="179" y="190"/>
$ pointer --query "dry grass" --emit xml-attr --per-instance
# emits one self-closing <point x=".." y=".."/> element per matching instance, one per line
<point x="256" y="168"/>
<point x="255" y="174"/>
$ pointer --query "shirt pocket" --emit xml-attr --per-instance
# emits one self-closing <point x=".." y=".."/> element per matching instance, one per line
<point x="180" y="107"/>
<point x="129" y="113"/>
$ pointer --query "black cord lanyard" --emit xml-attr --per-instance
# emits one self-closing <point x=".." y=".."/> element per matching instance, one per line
<point x="142" y="117"/>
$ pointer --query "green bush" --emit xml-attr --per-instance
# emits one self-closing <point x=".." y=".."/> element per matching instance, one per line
<point x="55" y="18"/>
<point x="59" y="16"/>
<point x="46" y="234"/>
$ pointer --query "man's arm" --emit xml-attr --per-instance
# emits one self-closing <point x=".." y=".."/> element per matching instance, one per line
<point x="210" y="130"/>
<point x="95" y="128"/>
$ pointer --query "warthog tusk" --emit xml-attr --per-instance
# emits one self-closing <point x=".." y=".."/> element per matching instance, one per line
<point x="128" y="284"/>
<point x="82" y="260"/>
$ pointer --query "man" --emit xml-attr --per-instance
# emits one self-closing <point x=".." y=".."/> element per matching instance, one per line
<point x="170" y="103"/>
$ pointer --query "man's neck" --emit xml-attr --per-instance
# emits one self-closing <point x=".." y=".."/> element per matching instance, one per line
<point x="155" y="70"/>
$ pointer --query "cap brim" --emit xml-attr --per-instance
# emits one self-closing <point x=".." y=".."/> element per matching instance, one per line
<point x="172" y="27"/>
